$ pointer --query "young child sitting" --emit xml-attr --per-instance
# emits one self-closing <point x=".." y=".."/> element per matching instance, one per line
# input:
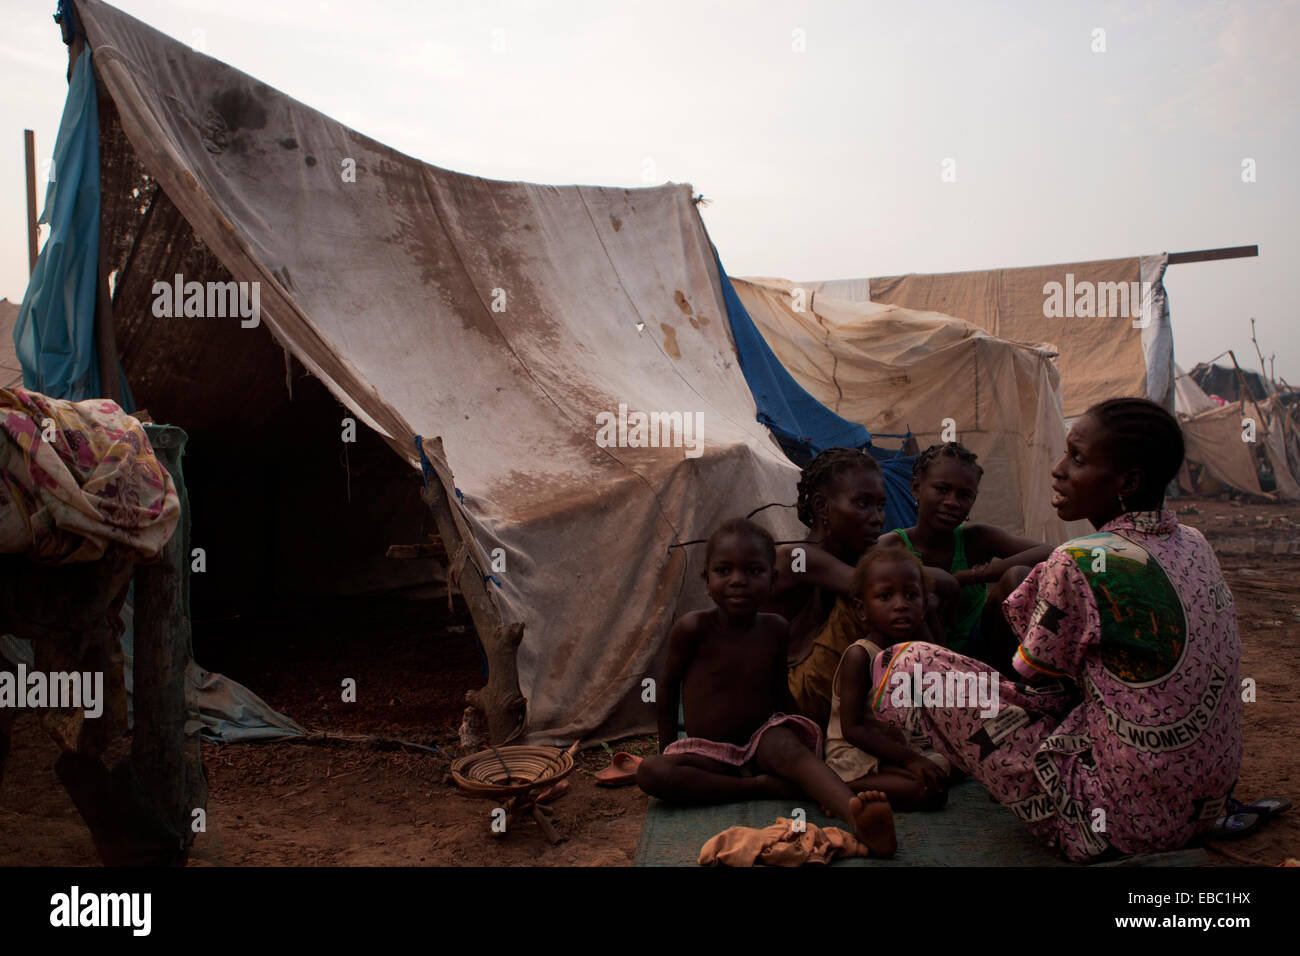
<point x="890" y="590"/>
<point x="987" y="562"/>
<point x="842" y="501"/>
<point x="730" y="665"/>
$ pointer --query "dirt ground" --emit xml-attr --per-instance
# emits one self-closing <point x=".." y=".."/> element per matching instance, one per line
<point x="342" y="802"/>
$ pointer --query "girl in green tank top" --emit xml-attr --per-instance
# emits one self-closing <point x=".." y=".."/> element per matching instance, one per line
<point x="976" y="566"/>
<point x="972" y="597"/>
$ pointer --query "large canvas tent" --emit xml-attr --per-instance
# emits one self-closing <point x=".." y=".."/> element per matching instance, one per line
<point x="1107" y="319"/>
<point x="487" y="332"/>
<point x="900" y="370"/>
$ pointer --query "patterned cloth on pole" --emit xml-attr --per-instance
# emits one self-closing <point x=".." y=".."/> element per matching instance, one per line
<point x="77" y="477"/>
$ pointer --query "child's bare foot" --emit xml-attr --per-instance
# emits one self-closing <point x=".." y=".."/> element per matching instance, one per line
<point x="873" y="822"/>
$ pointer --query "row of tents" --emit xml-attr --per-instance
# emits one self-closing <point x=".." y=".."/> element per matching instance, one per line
<point x="505" y="319"/>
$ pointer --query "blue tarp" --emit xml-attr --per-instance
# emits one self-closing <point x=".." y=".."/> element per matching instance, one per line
<point x="804" y="426"/>
<point x="54" y="336"/>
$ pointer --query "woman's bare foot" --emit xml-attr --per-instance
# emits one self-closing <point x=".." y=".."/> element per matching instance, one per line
<point x="873" y="822"/>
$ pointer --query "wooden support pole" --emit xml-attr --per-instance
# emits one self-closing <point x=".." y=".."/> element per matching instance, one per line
<point x="502" y="703"/>
<point x="1209" y="255"/>
<point x="29" y="144"/>
<point x="166" y="761"/>
<point x="105" y="338"/>
<point x="1263" y="369"/>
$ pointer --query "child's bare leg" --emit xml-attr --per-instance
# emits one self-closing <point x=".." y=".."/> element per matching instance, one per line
<point x="782" y="754"/>
<point x="693" y="779"/>
<point x="901" y="788"/>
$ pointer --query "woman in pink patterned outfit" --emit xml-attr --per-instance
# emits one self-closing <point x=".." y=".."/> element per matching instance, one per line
<point x="1126" y="735"/>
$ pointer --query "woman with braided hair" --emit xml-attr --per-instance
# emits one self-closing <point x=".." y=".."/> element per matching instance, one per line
<point x="842" y="501"/>
<point x="1126" y="736"/>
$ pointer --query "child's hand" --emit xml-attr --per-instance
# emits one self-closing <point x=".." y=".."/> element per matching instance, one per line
<point x="927" y="771"/>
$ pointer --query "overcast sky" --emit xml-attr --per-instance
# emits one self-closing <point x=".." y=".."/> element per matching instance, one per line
<point x="817" y="129"/>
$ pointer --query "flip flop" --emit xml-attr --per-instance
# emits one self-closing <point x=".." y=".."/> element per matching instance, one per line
<point x="620" y="772"/>
<point x="1234" y="826"/>
<point x="1264" y="807"/>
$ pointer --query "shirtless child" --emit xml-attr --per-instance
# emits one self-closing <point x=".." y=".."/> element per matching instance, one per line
<point x="730" y="665"/>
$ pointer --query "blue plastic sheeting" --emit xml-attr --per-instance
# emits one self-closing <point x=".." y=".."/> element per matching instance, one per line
<point x="54" y="336"/>
<point x="802" y="425"/>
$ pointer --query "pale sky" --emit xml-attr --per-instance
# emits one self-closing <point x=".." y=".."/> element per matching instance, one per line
<point x="823" y="162"/>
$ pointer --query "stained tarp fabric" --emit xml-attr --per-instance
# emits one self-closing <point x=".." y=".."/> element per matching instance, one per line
<point x="901" y="369"/>
<point x="799" y="419"/>
<point x="526" y="326"/>
<point x="1214" y="440"/>
<point x="1092" y="313"/>
<point x="54" y="335"/>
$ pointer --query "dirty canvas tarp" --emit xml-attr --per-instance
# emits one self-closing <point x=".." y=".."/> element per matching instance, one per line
<point x="502" y="317"/>
<point x="1214" y="440"/>
<point x="1091" y="322"/>
<point x="898" y="369"/>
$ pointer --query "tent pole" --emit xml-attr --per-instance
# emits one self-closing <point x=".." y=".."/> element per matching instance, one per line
<point x="1262" y="367"/>
<point x="29" y="144"/>
<point x="166" y="761"/>
<point x="501" y="701"/>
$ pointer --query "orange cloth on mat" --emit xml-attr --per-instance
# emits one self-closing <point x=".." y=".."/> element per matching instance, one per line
<point x="780" y="845"/>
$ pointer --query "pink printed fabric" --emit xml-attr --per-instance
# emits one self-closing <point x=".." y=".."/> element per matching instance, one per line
<point x="1128" y="738"/>
<point x="77" y="478"/>
<point x="809" y="734"/>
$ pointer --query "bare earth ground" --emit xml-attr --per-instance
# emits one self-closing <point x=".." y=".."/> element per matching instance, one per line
<point x="349" y="803"/>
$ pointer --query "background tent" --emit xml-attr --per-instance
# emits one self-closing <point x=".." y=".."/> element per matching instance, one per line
<point x="1219" y="447"/>
<point x="1225" y="381"/>
<point x="1217" y="450"/>
<point x="1101" y="352"/>
<point x="900" y="369"/>
<point x="1213" y="441"/>
<point x="502" y="318"/>
<point x="11" y="373"/>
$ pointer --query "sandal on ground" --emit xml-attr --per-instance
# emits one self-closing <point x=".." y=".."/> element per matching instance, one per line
<point x="1264" y="807"/>
<point x="1234" y="826"/>
<point x="621" y="771"/>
